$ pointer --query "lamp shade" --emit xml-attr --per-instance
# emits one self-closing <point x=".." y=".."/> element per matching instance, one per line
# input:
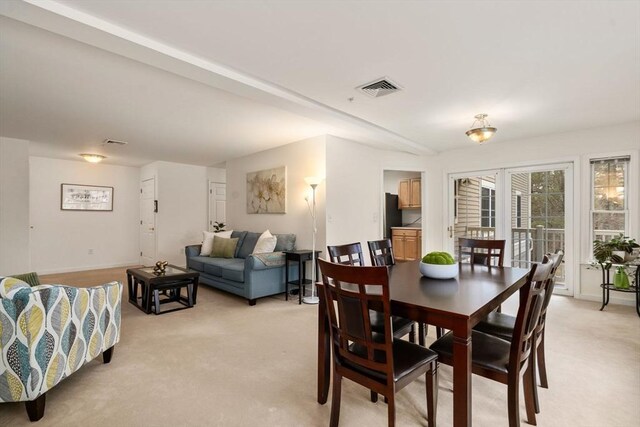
<point x="483" y="131"/>
<point x="313" y="180"/>
<point x="93" y="158"/>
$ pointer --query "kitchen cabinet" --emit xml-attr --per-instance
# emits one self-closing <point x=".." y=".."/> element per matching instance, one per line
<point x="407" y="243"/>
<point x="410" y="193"/>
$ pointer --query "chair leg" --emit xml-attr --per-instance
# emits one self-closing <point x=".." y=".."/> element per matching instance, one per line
<point x="542" y="366"/>
<point x="335" y="399"/>
<point x="106" y="355"/>
<point x="533" y="361"/>
<point x="374" y="396"/>
<point x="432" y="393"/>
<point x="529" y="385"/>
<point x="422" y="333"/>
<point x="412" y="333"/>
<point x="35" y="408"/>
<point x="439" y="332"/>
<point x="513" y="400"/>
<point x="391" y="409"/>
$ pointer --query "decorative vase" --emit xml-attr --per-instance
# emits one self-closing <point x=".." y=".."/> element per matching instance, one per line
<point x="620" y="279"/>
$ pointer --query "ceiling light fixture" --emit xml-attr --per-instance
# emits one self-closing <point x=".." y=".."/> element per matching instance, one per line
<point x="483" y="131"/>
<point x="93" y="158"/>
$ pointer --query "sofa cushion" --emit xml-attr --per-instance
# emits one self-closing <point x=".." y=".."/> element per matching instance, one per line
<point x="285" y="242"/>
<point x="213" y="266"/>
<point x="223" y="248"/>
<point x="248" y="244"/>
<point x="240" y="235"/>
<point x="234" y="271"/>
<point x="197" y="262"/>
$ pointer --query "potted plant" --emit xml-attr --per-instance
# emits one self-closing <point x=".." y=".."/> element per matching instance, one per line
<point x="625" y="246"/>
<point x="603" y="252"/>
<point x="218" y="226"/>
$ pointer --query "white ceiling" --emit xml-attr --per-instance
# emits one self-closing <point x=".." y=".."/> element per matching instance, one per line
<point x="535" y="67"/>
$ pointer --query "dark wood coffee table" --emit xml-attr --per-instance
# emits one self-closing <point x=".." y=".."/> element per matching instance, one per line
<point x="169" y="283"/>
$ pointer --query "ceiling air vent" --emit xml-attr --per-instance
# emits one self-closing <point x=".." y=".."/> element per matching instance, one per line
<point x="380" y="87"/>
<point x="114" y="142"/>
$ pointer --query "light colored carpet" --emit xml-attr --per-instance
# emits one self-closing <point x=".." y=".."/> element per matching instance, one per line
<point x="224" y="363"/>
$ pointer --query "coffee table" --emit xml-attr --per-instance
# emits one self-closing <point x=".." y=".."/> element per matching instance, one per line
<point x="170" y="283"/>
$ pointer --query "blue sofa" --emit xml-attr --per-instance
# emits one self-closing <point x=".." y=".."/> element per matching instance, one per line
<point x="246" y="275"/>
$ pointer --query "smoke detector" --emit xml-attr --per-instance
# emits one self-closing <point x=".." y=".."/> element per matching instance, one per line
<point x="379" y="87"/>
<point x="114" y="142"/>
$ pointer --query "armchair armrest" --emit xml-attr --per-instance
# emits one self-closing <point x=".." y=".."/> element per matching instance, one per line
<point x="58" y="330"/>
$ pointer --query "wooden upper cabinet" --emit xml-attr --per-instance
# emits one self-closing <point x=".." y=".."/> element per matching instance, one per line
<point x="410" y="193"/>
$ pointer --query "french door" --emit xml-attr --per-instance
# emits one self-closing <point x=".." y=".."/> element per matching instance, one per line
<point x="529" y="207"/>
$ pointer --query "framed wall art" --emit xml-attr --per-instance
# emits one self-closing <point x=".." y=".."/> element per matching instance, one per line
<point x="76" y="197"/>
<point x="267" y="191"/>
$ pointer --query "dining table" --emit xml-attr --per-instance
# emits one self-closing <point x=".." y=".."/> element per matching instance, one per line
<point x="456" y="304"/>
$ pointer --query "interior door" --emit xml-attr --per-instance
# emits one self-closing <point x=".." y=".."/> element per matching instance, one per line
<point x="217" y="203"/>
<point x="539" y="218"/>
<point x="148" y="222"/>
<point x="474" y="201"/>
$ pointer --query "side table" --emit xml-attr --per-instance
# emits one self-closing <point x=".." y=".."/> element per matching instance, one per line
<point x="607" y="286"/>
<point x="301" y="257"/>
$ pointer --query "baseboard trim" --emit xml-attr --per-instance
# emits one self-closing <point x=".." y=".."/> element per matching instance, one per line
<point x="87" y="267"/>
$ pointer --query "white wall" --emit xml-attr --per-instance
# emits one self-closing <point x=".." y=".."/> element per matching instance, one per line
<point x="573" y="147"/>
<point x="303" y="158"/>
<point x="217" y="174"/>
<point x="182" y="194"/>
<point x="355" y="187"/>
<point x="14" y="206"/>
<point x="61" y="240"/>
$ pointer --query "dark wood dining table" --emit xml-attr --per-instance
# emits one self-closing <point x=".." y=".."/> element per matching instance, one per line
<point x="456" y="304"/>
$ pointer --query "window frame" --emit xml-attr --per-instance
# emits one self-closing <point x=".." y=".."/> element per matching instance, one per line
<point x="491" y="186"/>
<point x="627" y="184"/>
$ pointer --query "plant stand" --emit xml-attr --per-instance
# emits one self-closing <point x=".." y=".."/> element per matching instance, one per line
<point x="607" y="286"/>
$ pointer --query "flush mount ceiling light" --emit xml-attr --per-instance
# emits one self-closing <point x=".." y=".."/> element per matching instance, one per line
<point x="92" y="158"/>
<point x="483" y="131"/>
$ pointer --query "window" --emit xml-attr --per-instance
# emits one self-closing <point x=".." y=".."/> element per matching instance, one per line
<point x="518" y="209"/>
<point x="488" y="204"/>
<point x="609" y="206"/>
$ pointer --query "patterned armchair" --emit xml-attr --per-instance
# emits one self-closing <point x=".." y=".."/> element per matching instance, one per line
<point x="48" y="332"/>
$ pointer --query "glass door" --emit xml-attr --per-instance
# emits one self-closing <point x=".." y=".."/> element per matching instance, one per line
<point x="538" y="217"/>
<point x="474" y="200"/>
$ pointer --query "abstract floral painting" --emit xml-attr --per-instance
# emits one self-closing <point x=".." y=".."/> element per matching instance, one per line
<point x="266" y="191"/>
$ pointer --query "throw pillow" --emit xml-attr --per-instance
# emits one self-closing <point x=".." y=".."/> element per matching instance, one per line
<point x="207" y="240"/>
<point x="223" y="248"/>
<point x="31" y="279"/>
<point x="286" y="242"/>
<point x="266" y="243"/>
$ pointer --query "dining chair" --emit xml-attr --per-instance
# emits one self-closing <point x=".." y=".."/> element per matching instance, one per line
<point x="489" y="250"/>
<point x="381" y="252"/>
<point x="502" y="325"/>
<point x="505" y="361"/>
<point x="351" y="254"/>
<point x="371" y="357"/>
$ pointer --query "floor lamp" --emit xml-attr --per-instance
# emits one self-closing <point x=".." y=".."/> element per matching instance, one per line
<point x="313" y="183"/>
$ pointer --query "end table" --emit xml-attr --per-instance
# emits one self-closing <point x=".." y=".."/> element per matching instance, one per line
<point x="301" y="257"/>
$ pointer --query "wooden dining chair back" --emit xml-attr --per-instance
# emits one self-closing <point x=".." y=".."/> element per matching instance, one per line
<point x="362" y="354"/>
<point x="381" y="252"/>
<point x="485" y="252"/>
<point x="349" y="254"/>
<point x="556" y="260"/>
<point x="489" y="352"/>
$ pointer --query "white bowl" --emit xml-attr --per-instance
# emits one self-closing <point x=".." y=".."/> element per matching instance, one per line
<point x="439" y="271"/>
